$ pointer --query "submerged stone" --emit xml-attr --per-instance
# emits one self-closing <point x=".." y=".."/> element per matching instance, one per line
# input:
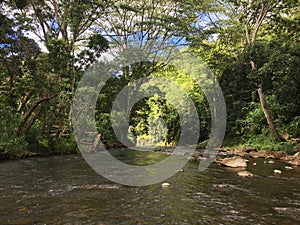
<point x="245" y="173"/>
<point x="233" y="162"/>
<point x="277" y="171"/>
<point x="165" y="185"/>
<point x="288" y="168"/>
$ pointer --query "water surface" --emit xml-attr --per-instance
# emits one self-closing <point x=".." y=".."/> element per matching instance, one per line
<point x="65" y="190"/>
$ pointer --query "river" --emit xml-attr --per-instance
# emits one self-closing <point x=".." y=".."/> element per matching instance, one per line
<point x="65" y="190"/>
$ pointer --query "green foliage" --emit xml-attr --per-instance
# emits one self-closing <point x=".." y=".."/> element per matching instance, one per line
<point x="97" y="44"/>
<point x="62" y="145"/>
<point x="265" y="141"/>
<point x="59" y="55"/>
<point x="36" y="138"/>
<point x="37" y="87"/>
<point x="156" y="123"/>
<point x="10" y="144"/>
<point x="103" y="125"/>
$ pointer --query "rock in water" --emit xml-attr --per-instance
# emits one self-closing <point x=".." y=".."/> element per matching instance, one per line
<point x="234" y="162"/>
<point x="259" y="154"/>
<point x="165" y="185"/>
<point x="288" y="168"/>
<point x="245" y="173"/>
<point x="277" y="171"/>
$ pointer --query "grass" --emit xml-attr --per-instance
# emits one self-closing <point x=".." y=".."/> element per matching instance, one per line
<point x="261" y="142"/>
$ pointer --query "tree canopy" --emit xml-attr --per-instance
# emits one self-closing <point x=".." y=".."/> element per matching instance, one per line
<point x="251" y="47"/>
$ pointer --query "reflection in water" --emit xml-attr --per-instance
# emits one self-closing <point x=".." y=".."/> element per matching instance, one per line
<point x="65" y="190"/>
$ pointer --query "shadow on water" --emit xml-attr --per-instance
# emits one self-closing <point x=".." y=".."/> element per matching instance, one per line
<point x="65" y="190"/>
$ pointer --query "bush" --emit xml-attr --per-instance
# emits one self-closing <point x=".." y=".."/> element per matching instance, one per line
<point x="63" y="145"/>
<point x="11" y="145"/>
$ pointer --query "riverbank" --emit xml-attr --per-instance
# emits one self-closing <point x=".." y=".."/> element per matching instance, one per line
<point x="291" y="157"/>
<point x="30" y="152"/>
<point x="252" y="152"/>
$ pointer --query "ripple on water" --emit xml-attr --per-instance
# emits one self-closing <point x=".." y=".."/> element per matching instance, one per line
<point x="289" y="211"/>
<point x="63" y="190"/>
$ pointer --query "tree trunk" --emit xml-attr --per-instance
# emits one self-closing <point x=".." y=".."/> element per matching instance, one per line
<point x="214" y="100"/>
<point x="271" y="124"/>
<point x="33" y="119"/>
<point x="30" y="111"/>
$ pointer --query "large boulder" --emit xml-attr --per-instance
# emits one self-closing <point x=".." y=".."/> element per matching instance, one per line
<point x="233" y="162"/>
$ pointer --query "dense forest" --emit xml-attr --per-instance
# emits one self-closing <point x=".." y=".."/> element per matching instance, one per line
<point x="251" y="47"/>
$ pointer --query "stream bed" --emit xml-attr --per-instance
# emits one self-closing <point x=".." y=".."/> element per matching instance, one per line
<point x="65" y="190"/>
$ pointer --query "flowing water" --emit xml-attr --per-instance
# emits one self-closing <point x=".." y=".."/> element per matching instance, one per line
<point x="65" y="190"/>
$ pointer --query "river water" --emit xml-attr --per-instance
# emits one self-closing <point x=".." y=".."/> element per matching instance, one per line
<point x="65" y="190"/>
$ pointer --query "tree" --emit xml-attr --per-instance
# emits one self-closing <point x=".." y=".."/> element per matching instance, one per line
<point x="156" y="27"/>
<point x="263" y="23"/>
<point x="258" y="13"/>
<point x="253" y="18"/>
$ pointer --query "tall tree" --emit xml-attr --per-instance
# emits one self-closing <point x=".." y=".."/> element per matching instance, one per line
<point x="253" y="19"/>
<point x="257" y="14"/>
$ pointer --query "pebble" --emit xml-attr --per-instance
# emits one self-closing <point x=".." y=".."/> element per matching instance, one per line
<point x="192" y="158"/>
<point x="245" y="173"/>
<point x="221" y="185"/>
<point x="277" y="171"/>
<point x="23" y="209"/>
<point x="201" y="158"/>
<point x="288" y="168"/>
<point x="165" y="185"/>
